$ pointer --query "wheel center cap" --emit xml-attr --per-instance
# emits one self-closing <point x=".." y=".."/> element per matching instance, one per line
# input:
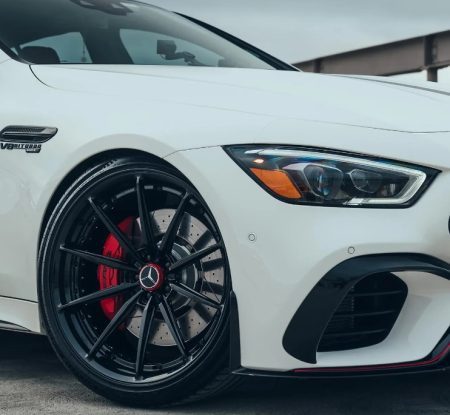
<point x="151" y="277"/>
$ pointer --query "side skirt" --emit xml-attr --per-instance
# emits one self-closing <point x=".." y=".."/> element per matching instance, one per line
<point x="20" y="315"/>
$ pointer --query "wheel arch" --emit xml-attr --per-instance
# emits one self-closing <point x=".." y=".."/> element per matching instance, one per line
<point x="91" y="161"/>
<point x="125" y="159"/>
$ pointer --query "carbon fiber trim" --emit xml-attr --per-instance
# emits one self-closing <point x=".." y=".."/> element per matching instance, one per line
<point x="27" y="134"/>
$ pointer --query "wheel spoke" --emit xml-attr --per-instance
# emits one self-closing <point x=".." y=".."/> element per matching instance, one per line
<point x="124" y="242"/>
<point x="118" y="319"/>
<point x="194" y="295"/>
<point x="204" y="240"/>
<point x="171" y="322"/>
<point x="99" y="295"/>
<point x="195" y="257"/>
<point x="148" y="232"/>
<point x="100" y="259"/>
<point x="213" y="288"/>
<point x="146" y="324"/>
<point x="212" y="265"/>
<point x="172" y="230"/>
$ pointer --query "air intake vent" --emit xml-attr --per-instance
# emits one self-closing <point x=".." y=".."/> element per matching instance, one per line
<point x="26" y="134"/>
<point x="366" y="315"/>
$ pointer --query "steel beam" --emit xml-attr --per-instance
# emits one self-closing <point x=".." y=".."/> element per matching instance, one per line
<point x="412" y="55"/>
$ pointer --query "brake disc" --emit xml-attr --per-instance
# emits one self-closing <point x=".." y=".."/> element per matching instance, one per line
<point x="207" y="277"/>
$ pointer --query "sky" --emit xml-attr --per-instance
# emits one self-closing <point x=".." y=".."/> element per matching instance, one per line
<point x="298" y="30"/>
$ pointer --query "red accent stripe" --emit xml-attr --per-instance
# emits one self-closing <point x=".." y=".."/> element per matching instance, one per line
<point x="420" y="363"/>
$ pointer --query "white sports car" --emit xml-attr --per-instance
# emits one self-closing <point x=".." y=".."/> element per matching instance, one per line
<point x="179" y="208"/>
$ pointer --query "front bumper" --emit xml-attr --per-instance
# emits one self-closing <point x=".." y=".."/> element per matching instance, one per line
<point x="279" y="252"/>
<point x="437" y="361"/>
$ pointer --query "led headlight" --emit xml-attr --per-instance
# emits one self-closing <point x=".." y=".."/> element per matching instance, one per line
<point x="306" y="176"/>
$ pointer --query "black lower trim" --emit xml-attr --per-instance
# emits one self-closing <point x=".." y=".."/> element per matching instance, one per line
<point x="235" y="339"/>
<point x="443" y="367"/>
<point x="304" y="332"/>
<point x="5" y="325"/>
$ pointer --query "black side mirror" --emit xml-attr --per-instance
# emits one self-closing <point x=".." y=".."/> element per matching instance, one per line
<point x="166" y="47"/>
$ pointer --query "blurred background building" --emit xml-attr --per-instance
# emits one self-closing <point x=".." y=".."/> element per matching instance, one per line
<point x="406" y="38"/>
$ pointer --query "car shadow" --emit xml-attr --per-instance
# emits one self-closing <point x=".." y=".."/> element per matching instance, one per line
<point x="32" y="379"/>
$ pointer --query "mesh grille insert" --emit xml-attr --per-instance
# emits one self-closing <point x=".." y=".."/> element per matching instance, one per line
<point x="366" y="315"/>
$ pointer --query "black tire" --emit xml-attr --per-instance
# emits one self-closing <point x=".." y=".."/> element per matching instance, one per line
<point x="158" y="357"/>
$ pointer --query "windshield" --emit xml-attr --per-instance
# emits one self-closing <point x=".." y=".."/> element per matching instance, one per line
<point x="114" y="32"/>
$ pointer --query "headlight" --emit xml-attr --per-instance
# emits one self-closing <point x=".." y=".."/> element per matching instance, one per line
<point x="306" y="176"/>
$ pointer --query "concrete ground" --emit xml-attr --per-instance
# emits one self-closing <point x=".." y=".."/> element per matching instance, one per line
<point x="32" y="381"/>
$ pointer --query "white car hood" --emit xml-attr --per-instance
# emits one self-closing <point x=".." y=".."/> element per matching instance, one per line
<point x="380" y="103"/>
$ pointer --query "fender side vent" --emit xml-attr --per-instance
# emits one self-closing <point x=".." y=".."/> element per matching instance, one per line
<point x="27" y="134"/>
<point x="367" y="314"/>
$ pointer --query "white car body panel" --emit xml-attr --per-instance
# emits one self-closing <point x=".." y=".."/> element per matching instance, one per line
<point x="184" y="115"/>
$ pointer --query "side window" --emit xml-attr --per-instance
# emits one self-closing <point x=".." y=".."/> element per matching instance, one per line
<point x="142" y="47"/>
<point x="70" y="47"/>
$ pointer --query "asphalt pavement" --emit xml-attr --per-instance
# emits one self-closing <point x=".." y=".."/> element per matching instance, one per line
<point x="33" y="381"/>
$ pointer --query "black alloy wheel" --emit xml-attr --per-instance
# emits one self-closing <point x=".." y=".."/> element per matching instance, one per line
<point x="135" y="286"/>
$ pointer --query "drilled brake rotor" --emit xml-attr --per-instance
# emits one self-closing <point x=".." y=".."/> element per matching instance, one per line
<point x="207" y="278"/>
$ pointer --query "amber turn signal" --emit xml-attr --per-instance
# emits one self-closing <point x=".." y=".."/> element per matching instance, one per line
<point x="278" y="181"/>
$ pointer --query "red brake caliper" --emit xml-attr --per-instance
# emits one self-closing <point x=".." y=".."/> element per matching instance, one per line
<point x="109" y="277"/>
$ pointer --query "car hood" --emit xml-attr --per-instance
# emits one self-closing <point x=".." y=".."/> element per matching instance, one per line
<point x="371" y="102"/>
